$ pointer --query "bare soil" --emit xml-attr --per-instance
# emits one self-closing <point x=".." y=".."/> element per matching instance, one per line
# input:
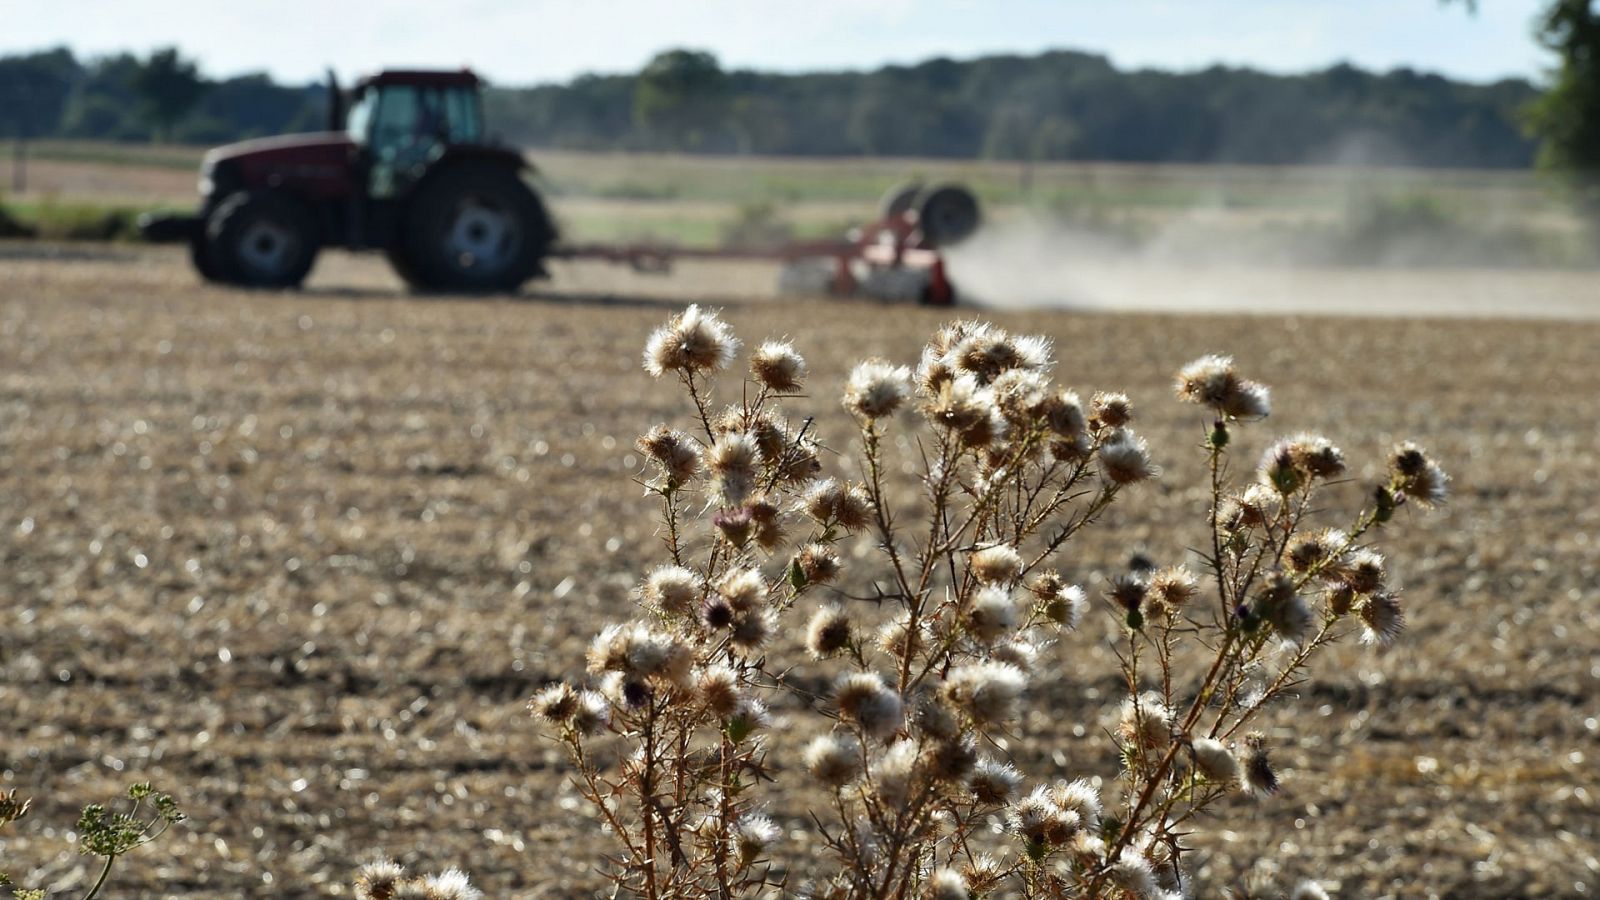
<point x="300" y="558"/>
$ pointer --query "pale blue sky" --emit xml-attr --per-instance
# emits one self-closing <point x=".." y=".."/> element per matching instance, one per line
<point x="526" y="41"/>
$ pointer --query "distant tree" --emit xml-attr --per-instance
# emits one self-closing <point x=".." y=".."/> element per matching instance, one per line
<point x="168" y="87"/>
<point x="1566" y="118"/>
<point x="33" y="93"/>
<point x="680" y="99"/>
<point x="34" y="90"/>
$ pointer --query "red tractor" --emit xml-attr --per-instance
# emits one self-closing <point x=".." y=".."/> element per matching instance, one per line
<point x="404" y="168"/>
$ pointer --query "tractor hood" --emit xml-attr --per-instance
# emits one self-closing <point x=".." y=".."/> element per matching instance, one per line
<point x="318" y="163"/>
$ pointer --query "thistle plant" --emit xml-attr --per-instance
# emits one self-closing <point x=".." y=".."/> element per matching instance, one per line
<point x="931" y="638"/>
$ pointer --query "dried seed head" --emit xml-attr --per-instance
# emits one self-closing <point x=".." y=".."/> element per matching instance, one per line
<point x="999" y="564"/>
<point x="1421" y="479"/>
<point x="1364" y="571"/>
<point x="1061" y="603"/>
<point x="987" y="692"/>
<point x="985" y="352"/>
<point x="991" y="615"/>
<point x="1128" y="590"/>
<point x="877" y="389"/>
<point x="735" y="526"/>
<point x="933" y="718"/>
<point x="1067" y="607"/>
<point x="950" y="760"/>
<point x="1257" y="778"/>
<point x="933" y="371"/>
<point x="556" y="704"/>
<point x="768" y="519"/>
<point x="1017" y="652"/>
<point x="720" y="690"/>
<point x="413" y="889"/>
<point x="893" y="773"/>
<point x="675" y="453"/>
<point x="638" y="651"/>
<point x="672" y="589"/>
<point x="743" y="589"/>
<point x="833" y="759"/>
<point x="1031" y="816"/>
<point x="1382" y="619"/>
<point x="1146" y="722"/>
<point x="379" y="879"/>
<point x="1079" y="796"/>
<point x="1314" y="550"/>
<point x="1125" y="459"/>
<point x="864" y="700"/>
<point x="751" y="630"/>
<point x="994" y="782"/>
<point x="1021" y="396"/>
<point x="897" y="638"/>
<point x="829" y="633"/>
<point x="1288" y="464"/>
<point x="1110" y="410"/>
<point x="753" y="835"/>
<point x="1308" y="890"/>
<point x="734" y="461"/>
<point x="946" y="884"/>
<point x="1258" y="505"/>
<point x="833" y="503"/>
<point x="1215" y="761"/>
<point x="1282" y="605"/>
<point x="1212" y="381"/>
<point x="451" y="884"/>
<point x="776" y="366"/>
<point x="960" y="403"/>
<point x="1134" y="874"/>
<point x="593" y="714"/>
<point x="750" y="716"/>
<point x="819" y="563"/>
<point x="1174" y="586"/>
<point x="1063" y="415"/>
<point x="692" y="342"/>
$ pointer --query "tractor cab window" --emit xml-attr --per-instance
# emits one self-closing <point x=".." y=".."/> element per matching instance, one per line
<point x="406" y="127"/>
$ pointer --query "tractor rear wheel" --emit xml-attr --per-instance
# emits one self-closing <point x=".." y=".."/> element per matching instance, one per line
<point x="476" y="229"/>
<point x="258" y="239"/>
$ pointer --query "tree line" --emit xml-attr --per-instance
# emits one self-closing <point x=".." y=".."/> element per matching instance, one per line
<point x="1060" y="105"/>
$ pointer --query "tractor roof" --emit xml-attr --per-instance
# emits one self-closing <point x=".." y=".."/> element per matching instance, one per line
<point x="423" y="78"/>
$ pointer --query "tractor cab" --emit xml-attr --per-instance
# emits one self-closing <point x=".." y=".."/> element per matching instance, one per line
<point x="404" y="121"/>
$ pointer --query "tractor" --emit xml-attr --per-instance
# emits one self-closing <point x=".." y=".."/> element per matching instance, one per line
<point x="404" y="168"/>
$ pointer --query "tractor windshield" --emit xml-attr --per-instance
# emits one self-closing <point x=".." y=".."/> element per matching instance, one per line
<point x="407" y="126"/>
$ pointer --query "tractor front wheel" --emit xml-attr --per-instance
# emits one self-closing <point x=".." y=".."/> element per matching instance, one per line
<point x="258" y="239"/>
<point x="476" y="229"/>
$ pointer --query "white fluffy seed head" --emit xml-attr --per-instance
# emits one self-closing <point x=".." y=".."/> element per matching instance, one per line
<point x="1215" y="761"/>
<point x="833" y="759"/>
<point x="753" y="835"/>
<point x="892" y="774"/>
<point x="994" y="782"/>
<point x="877" y="389"/>
<point x="946" y="884"/>
<point x="1125" y="459"/>
<point x="1146" y="721"/>
<point x="988" y="692"/>
<point x="865" y="700"/>
<point x="673" y="590"/>
<point x="777" y="366"/>
<point x="451" y="884"/>
<point x="992" y="614"/>
<point x="999" y="564"/>
<point x="693" y="342"/>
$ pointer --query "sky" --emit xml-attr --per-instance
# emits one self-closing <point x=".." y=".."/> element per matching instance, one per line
<point x="516" y="42"/>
